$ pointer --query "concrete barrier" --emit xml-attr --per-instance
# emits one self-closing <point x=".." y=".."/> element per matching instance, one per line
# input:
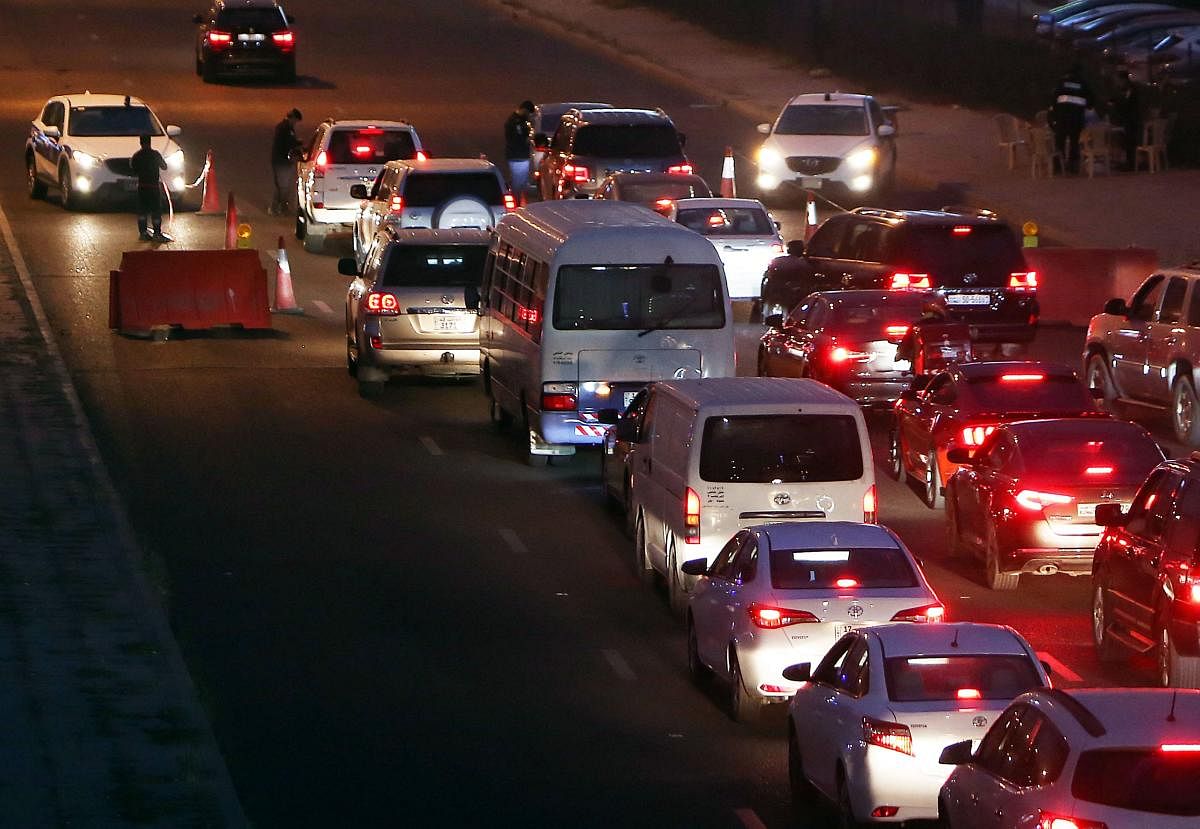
<point x="1074" y="283"/>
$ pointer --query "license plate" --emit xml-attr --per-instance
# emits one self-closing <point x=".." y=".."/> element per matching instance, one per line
<point x="841" y="630"/>
<point x="1088" y="511"/>
<point x="968" y="299"/>
<point x="244" y="38"/>
<point x="811" y="183"/>
<point x="446" y="322"/>
<point x="629" y="395"/>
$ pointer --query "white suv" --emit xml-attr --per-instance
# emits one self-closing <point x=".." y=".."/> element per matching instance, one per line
<point x="829" y="141"/>
<point x="339" y="155"/>
<point x="81" y="144"/>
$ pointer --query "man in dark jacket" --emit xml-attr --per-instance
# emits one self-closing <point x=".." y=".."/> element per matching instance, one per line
<point x="284" y="145"/>
<point x="518" y="146"/>
<point x="147" y="164"/>
<point x="1072" y="99"/>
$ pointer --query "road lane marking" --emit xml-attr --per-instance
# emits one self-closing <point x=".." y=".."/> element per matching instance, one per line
<point x="513" y="541"/>
<point x="431" y="447"/>
<point x="323" y="307"/>
<point x="1059" y="669"/>
<point x="749" y="819"/>
<point x="619" y="665"/>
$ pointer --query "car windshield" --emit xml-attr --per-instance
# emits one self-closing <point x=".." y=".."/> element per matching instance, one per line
<point x="781" y="449"/>
<point x="975" y="256"/>
<point x="434" y="266"/>
<point x="629" y="297"/>
<point x="373" y="146"/>
<point x="627" y="141"/>
<point x="866" y="567"/>
<point x="261" y="19"/>
<point x="1147" y="780"/>
<point x="961" y="676"/>
<point x="1031" y="391"/>
<point x="727" y="221"/>
<point x="422" y="189"/>
<point x="1090" y="455"/>
<point x="113" y="121"/>
<point x="818" y="119"/>
<point x="647" y="193"/>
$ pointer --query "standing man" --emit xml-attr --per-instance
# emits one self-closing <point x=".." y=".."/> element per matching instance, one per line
<point x="1072" y="98"/>
<point x="518" y="146"/>
<point x="148" y="164"/>
<point x="1127" y="114"/>
<point x="284" y="145"/>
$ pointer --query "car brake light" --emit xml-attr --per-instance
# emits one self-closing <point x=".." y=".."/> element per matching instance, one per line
<point x="363" y="149"/>
<point x="1172" y="748"/>
<point x="844" y="583"/>
<point x="885" y="811"/>
<point x="973" y="436"/>
<point x="219" y="40"/>
<point x="422" y="156"/>
<point x="842" y="355"/>
<point x="691" y="516"/>
<point x="510" y="201"/>
<point x="902" y="281"/>
<point x="559" y="397"/>
<point x="765" y="616"/>
<point x="662" y="205"/>
<point x="935" y="612"/>
<point x="1049" y="820"/>
<point x="576" y="173"/>
<point x="1022" y="378"/>
<point x="684" y="169"/>
<point x="961" y="230"/>
<point x="1026" y="281"/>
<point x="968" y="693"/>
<point x="321" y="162"/>
<point x="396" y="204"/>
<point x="870" y="509"/>
<point x="896" y="332"/>
<point x="285" y="40"/>
<point x="382" y="304"/>
<point x="1098" y="470"/>
<point x="891" y="735"/>
<point x="1034" y="500"/>
<point x="1194" y="591"/>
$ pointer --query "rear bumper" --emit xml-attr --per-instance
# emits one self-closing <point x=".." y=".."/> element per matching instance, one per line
<point x="881" y="392"/>
<point x="882" y="777"/>
<point x="451" y="360"/>
<point x="255" y="63"/>
<point x="343" y="216"/>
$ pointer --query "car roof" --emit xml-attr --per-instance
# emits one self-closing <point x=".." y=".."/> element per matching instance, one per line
<point x="656" y="178"/>
<point x="562" y="107"/>
<point x="445" y="165"/>
<point x="247" y="4"/>
<point x="622" y="116"/>
<point x="731" y="393"/>
<point x="438" y="236"/>
<point x="366" y="123"/>
<point x="929" y="218"/>
<point x="992" y="370"/>
<point x="701" y="202"/>
<point x="877" y="296"/>
<point x="1127" y="716"/>
<point x="907" y="639"/>
<point x="829" y="98"/>
<point x="820" y="535"/>
<point x="99" y="99"/>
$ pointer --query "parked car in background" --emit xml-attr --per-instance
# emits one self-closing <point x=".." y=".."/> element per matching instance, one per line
<point x="658" y="191"/>
<point x="245" y="38"/>
<point x="743" y="232"/>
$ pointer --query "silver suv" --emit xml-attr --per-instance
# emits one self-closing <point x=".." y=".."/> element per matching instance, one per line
<point x="1147" y="350"/>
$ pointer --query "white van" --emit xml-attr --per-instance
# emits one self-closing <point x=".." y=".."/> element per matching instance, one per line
<point x="585" y="302"/>
<point x="712" y="456"/>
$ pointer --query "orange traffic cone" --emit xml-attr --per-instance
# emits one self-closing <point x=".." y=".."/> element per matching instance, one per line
<point x="285" y="300"/>
<point x="231" y="224"/>
<point x="728" y="185"/>
<point x="810" y="217"/>
<point x="211" y="202"/>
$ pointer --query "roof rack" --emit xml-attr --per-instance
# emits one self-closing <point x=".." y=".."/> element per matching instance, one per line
<point x="1079" y="711"/>
<point x="878" y="211"/>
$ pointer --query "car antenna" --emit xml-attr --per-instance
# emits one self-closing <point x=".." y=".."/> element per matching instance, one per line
<point x="954" y="644"/>
<point x="1171" y="714"/>
<point x="126" y="100"/>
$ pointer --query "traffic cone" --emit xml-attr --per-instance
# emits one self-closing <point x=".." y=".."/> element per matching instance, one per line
<point x="211" y="202"/>
<point x="810" y="217"/>
<point x="231" y="224"/>
<point x="285" y="300"/>
<point x="728" y="185"/>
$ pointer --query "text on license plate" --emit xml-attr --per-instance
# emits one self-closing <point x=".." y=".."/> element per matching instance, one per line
<point x="968" y="299"/>
<point x="811" y="183"/>
<point x="446" y="322"/>
<point x="629" y="395"/>
<point x="1089" y="510"/>
<point x="841" y="630"/>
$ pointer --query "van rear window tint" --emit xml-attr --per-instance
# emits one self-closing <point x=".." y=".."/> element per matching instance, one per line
<point x="632" y="297"/>
<point x="1145" y="780"/>
<point x="781" y="448"/>
<point x="435" y="189"/>
<point x="370" y="146"/>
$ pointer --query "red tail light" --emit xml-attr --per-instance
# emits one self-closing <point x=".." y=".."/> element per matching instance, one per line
<point x="510" y="201"/>
<point x="377" y="342"/>
<point x="844" y="355"/>
<point x="1098" y="470"/>
<point x="935" y="612"/>
<point x="1031" y="499"/>
<point x="422" y="156"/>
<point x="765" y="616"/>
<point x="1193" y="592"/>
<point x="846" y="583"/>
<point x="285" y="40"/>
<point x="396" y="204"/>
<point x="576" y="173"/>
<point x="902" y="281"/>
<point x="1172" y="748"/>
<point x="691" y="516"/>
<point x="973" y="436"/>
<point x="362" y="149"/>
<point x="664" y="205"/>
<point x="885" y="811"/>
<point x="528" y="314"/>
<point x="559" y="397"/>
<point x="895" y="333"/>
<point x="1050" y="820"/>
<point x="961" y="230"/>
<point x="1024" y="282"/>
<point x="219" y="40"/>
<point x="1022" y="378"/>
<point x="891" y="735"/>
<point x="870" y="510"/>
<point x="684" y="169"/>
<point x="321" y="162"/>
<point x="382" y="304"/>
<point x="969" y="693"/>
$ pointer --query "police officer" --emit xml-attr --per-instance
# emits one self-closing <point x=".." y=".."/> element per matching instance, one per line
<point x="518" y="147"/>
<point x="284" y="145"/>
<point x="1072" y="99"/>
<point x="148" y="164"/>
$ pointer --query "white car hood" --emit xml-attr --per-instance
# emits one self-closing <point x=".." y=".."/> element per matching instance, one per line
<point x="123" y="146"/>
<point x="822" y="145"/>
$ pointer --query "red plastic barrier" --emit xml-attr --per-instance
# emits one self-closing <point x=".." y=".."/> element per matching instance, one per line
<point x="1074" y="283"/>
<point x="188" y="288"/>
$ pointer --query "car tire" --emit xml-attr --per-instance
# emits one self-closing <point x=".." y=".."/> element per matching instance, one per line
<point x="69" y="200"/>
<point x="1098" y="376"/>
<point x="933" y="483"/>
<point x="997" y="580"/>
<point x="743" y="707"/>
<point x="954" y="545"/>
<point x="642" y="568"/>
<point x="697" y="670"/>
<point x="351" y="357"/>
<point x="1185" y="412"/>
<point x="677" y="595"/>
<point x="1107" y="649"/>
<point x="803" y="795"/>
<point x="845" y="809"/>
<point x="896" y="456"/>
<point x="301" y="227"/>
<point x="37" y="187"/>
<point x="1175" y="670"/>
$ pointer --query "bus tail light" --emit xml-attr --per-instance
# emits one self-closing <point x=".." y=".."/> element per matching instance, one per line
<point x="559" y="397"/>
<point x="691" y="516"/>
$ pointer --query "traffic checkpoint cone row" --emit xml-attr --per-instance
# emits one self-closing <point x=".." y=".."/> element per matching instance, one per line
<point x="285" y="298"/>
<point x="728" y="184"/>
<point x="211" y="202"/>
<point x="231" y="224"/>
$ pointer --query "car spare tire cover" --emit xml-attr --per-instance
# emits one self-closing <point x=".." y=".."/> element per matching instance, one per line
<point x="463" y="211"/>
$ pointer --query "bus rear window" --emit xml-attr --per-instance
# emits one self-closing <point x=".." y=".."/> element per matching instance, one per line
<point x="638" y="297"/>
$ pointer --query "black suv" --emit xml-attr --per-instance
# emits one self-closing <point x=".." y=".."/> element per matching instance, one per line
<point x="245" y="37"/>
<point x="972" y="260"/>
<point x="1146" y="575"/>
<point x="591" y="144"/>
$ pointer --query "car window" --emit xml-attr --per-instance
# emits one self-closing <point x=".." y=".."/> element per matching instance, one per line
<point x="876" y="111"/>
<point x="98" y="121"/>
<point x="780" y="448"/>
<point x="849" y="568"/>
<point x="798" y="316"/>
<point x="1031" y="391"/>
<point x="822" y="119"/>
<point x="1100" y="452"/>
<point x="722" y="566"/>
<point x="745" y="566"/>
<point x="1146" y="780"/>
<point x="852" y="677"/>
<point x="726" y="221"/>
<point x="830" y="668"/>
<point x="1149" y="515"/>
<point x="1039" y="758"/>
<point x="260" y="19"/>
<point x="825" y="241"/>
<point x="435" y="266"/>
<point x="1183" y="530"/>
<point x="627" y="140"/>
<point x="1193" y="317"/>
<point x="1171" y="310"/>
<point x="429" y="189"/>
<point x="955" y="677"/>
<point x="1009" y="758"/>
<point x="372" y="145"/>
<point x="990" y="754"/>
<point x="863" y="242"/>
<point x="1145" y="300"/>
<point x="942" y="391"/>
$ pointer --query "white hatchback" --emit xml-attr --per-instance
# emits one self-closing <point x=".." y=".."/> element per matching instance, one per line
<point x="743" y="232"/>
<point x="784" y="593"/>
<point x="867" y="727"/>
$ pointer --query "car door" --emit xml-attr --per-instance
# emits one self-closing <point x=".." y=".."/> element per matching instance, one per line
<point x="822" y="251"/>
<point x="1166" y="332"/>
<point x="378" y="205"/>
<point x="815" y="729"/>
<point x="861" y="254"/>
<point x="1002" y="756"/>
<point x="742" y="590"/>
<point x="1133" y="564"/>
<point x="46" y="150"/>
<point x="976" y="486"/>
<point x="803" y="345"/>
<point x="1132" y="338"/>
<point x="709" y="597"/>
<point x="923" y="418"/>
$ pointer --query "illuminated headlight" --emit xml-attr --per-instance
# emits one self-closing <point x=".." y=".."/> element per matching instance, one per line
<point x="178" y="184"/>
<point x="769" y="158"/>
<point x="766" y="181"/>
<point x="862" y="159"/>
<point x="861" y="184"/>
<point x="175" y="160"/>
<point x="85" y="161"/>
<point x="83" y="184"/>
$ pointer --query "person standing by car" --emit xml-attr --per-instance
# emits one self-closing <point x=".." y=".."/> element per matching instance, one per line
<point x="284" y="145"/>
<point x="148" y="164"/>
<point x="518" y="146"/>
<point x="1072" y="98"/>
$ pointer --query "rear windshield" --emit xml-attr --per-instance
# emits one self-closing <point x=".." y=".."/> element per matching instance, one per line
<point x="804" y="119"/>
<point x="370" y="146"/>
<point x="434" y="266"/>
<point x="435" y="189"/>
<point x="781" y="448"/>
<point x="1140" y="779"/>
<point x="1043" y="394"/>
<point x="990" y="252"/>
<point x="261" y="20"/>
<point x="967" y="677"/>
<point x="118" y="120"/>
<point x="629" y="297"/>
<point x="646" y="193"/>
<point x="627" y="141"/>
<point x="727" y="221"/>
<point x="1123" y="457"/>
<point x="868" y="567"/>
<point x="867" y="321"/>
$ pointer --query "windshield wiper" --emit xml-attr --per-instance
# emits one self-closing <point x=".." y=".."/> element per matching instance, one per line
<point x="678" y="312"/>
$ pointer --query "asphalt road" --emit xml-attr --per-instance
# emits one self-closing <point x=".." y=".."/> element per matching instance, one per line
<point x="392" y="620"/>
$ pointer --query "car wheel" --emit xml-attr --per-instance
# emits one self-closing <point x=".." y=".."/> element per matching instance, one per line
<point x="1107" y="649"/>
<point x="677" y="595"/>
<point x="954" y="545"/>
<point x="69" y="200"/>
<point x="933" y="482"/>
<point x="1174" y="669"/>
<point x="995" y="579"/>
<point x="641" y="555"/>
<point x="301" y="227"/>
<point x="699" y="672"/>
<point x="743" y="707"/>
<point x="802" y="792"/>
<point x="351" y="357"/>
<point x="37" y="187"/>
<point x="1098" y="376"/>
<point x="845" y="809"/>
<point x="1185" y="412"/>
<point x="895" y="456"/>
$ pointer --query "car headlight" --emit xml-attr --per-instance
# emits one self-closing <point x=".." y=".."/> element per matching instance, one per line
<point x="175" y="160"/>
<point x="862" y="159"/>
<point x="768" y="157"/>
<point x="85" y="161"/>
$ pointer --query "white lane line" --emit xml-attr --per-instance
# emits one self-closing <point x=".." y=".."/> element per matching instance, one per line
<point x="323" y="307"/>
<point x="1059" y="669"/>
<point x="431" y="446"/>
<point x="513" y="540"/>
<point x="749" y="819"/>
<point x="619" y="665"/>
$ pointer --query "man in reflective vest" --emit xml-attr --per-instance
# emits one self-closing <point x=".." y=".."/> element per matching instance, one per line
<point x="1072" y="99"/>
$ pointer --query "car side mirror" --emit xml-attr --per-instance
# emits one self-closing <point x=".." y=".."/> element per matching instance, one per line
<point x="471" y="297"/>
<point x="1116" y="307"/>
<point x="541" y="141"/>
<point x="609" y="417"/>
<point x="358" y="191"/>
<point x="955" y="754"/>
<point x="173" y="131"/>
<point x="765" y="129"/>
<point x="1110" y="515"/>
<point x="347" y="266"/>
<point x="197" y="19"/>
<point x="798" y="673"/>
<point x="885" y="131"/>
<point x="774" y="320"/>
<point x="695" y="567"/>
<point x="959" y="455"/>
<point x="52" y="132"/>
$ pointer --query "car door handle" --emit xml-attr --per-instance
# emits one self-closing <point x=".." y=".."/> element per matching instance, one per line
<point x="974" y="797"/>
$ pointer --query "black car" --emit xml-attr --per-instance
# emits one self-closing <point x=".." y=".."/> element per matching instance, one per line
<point x="244" y="38"/>
<point x="972" y="260"/>
<point x="1146" y="575"/>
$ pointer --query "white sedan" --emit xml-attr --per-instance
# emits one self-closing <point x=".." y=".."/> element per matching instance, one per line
<point x="742" y="231"/>
<point x="783" y="593"/>
<point x="867" y="727"/>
